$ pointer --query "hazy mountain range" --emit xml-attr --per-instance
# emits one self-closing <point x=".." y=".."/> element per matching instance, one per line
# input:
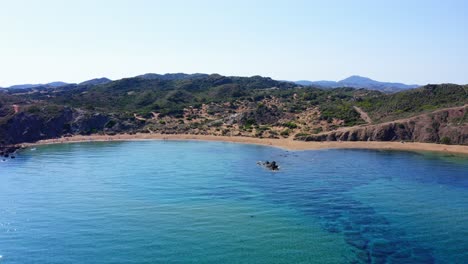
<point x="26" y="86"/>
<point x="104" y="80"/>
<point x="171" y="76"/>
<point x="96" y="81"/>
<point x="354" y="81"/>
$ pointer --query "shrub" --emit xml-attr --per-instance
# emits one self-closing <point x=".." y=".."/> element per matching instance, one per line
<point x="290" y="125"/>
<point x="34" y="109"/>
<point x="317" y="130"/>
<point x="285" y="133"/>
<point x="110" y="124"/>
<point x="445" y="140"/>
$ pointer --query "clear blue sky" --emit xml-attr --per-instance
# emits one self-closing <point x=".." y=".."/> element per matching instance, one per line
<point x="407" y="41"/>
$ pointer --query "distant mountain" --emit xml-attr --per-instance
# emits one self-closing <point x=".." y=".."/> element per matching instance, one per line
<point x="356" y="81"/>
<point x="103" y="80"/>
<point x="28" y="86"/>
<point x="96" y="81"/>
<point x="171" y="76"/>
<point x="318" y="83"/>
<point x="369" y="83"/>
<point x="57" y="84"/>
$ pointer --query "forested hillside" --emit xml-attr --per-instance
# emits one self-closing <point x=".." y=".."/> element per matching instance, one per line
<point x="211" y="104"/>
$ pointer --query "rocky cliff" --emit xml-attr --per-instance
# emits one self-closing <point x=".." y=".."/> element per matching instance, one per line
<point x="29" y="127"/>
<point x="449" y="126"/>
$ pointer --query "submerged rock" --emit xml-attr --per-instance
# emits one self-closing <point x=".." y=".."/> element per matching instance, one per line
<point x="269" y="165"/>
<point x="7" y="151"/>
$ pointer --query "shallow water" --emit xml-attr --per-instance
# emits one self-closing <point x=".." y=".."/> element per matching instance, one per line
<point x="208" y="202"/>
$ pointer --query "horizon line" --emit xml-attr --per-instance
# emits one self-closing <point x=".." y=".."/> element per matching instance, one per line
<point x="214" y="73"/>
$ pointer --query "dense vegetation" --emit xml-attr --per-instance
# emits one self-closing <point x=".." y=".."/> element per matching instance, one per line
<point x="170" y="97"/>
<point x="404" y="104"/>
<point x="215" y="104"/>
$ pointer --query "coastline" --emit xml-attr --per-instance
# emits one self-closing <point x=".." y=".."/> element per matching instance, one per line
<point x="284" y="143"/>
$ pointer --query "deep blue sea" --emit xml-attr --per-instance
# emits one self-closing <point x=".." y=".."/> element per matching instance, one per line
<point x="208" y="202"/>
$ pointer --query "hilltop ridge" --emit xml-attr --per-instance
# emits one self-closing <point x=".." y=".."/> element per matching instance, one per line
<point x="354" y="81"/>
<point x="229" y="106"/>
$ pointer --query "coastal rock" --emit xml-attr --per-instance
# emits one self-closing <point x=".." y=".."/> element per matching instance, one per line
<point x="269" y="165"/>
<point x="6" y="151"/>
<point x="31" y="127"/>
<point x="88" y="123"/>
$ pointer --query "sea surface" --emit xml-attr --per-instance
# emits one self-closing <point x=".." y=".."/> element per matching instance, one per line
<point x="209" y="202"/>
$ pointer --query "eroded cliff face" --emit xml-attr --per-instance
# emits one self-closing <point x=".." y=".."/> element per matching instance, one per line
<point x="24" y="127"/>
<point x="446" y="126"/>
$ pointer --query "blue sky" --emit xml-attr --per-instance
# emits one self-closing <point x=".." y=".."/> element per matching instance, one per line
<point x="407" y="41"/>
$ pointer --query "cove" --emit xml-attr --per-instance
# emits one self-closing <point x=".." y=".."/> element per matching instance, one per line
<point x="208" y="202"/>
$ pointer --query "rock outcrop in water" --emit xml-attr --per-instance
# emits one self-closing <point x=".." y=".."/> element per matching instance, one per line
<point x="269" y="165"/>
<point x="8" y="151"/>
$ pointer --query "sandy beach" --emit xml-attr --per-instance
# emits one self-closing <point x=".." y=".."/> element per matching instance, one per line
<point x="286" y="143"/>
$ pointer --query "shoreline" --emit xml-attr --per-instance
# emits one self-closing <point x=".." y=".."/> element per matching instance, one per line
<point x="284" y="143"/>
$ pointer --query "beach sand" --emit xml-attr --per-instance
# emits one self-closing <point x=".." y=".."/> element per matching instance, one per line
<point x="285" y="143"/>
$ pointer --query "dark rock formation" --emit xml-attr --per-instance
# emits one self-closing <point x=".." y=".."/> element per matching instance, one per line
<point x="269" y="165"/>
<point x="7" y="151"/>
<point x="27" y="127"/>
<point x="88" y="123"/>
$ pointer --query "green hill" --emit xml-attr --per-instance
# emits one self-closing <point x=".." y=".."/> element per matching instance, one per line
<point x="207" y="104"/>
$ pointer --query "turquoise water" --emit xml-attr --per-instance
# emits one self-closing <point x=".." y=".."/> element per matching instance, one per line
<point x="208" y="202"/>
